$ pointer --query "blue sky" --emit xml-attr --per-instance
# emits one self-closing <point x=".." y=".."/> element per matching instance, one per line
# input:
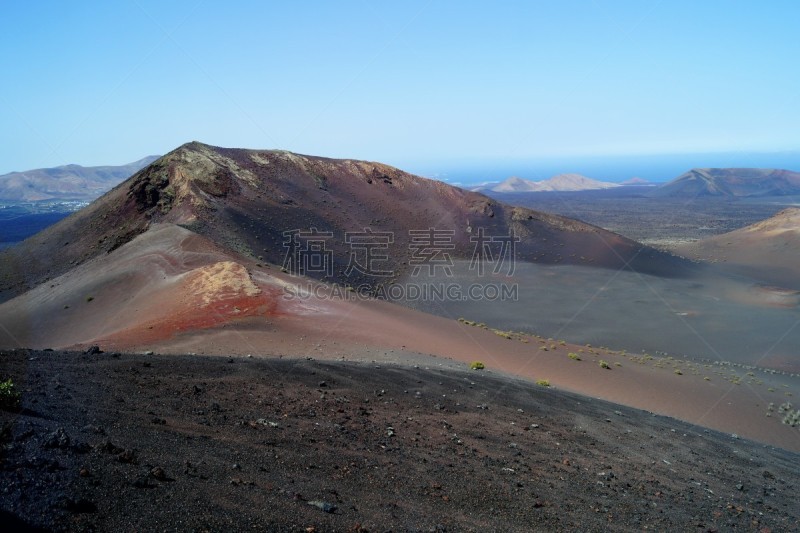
<point x="413" y="84"/>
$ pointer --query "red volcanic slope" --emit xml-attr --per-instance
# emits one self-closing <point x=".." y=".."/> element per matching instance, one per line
<point x="173" y="291"/>
<point x="169" y="261"/>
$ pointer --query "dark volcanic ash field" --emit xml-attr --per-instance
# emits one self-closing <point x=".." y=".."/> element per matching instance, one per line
<point x="138" y="442"/>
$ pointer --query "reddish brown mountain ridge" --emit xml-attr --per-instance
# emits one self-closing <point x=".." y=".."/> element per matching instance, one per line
<point x="245" y="200"/>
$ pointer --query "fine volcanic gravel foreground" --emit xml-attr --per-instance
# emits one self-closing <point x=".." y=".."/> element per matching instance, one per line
<point x="147" y="442"/>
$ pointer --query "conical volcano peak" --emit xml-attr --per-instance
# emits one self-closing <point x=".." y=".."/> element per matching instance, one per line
<point x="249" y="200"/>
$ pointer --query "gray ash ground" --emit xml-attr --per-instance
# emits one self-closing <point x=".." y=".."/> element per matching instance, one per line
<point x="136" y="442"/>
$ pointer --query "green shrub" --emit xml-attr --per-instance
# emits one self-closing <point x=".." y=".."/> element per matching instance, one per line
<point x="9" y="395"/>
<point x="574" y="356"/>
<point x="604" y="364"/>
<point x="792" y="417"/>
<point x="477" y="365"/>
<point x="543" y="382"/>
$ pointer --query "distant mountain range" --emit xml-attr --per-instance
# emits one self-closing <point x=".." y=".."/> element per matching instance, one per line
<point x="67" y="182"/>
<point x="76" y="182"/>
<point x="561" y="182"/>
<point x="732" y="182"/>
<point x="711" y="182"/>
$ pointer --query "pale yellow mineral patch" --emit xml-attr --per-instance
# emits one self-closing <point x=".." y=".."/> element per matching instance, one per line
<point x="221" y="281"/>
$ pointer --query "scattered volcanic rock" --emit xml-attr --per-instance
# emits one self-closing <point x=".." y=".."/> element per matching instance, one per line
<point x="538" y="460"/>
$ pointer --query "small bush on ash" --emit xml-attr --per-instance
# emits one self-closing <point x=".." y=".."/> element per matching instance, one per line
<point x="9" y="395"/>
<point x="477" y="365"/>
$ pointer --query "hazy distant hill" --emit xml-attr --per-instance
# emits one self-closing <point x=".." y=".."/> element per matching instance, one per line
<point x="513" y="184"/>
<point x="67" y="182"/>
<point x="737" y="182"/>
<point x="637" y="182"/>
<point x="561" y="182"/>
